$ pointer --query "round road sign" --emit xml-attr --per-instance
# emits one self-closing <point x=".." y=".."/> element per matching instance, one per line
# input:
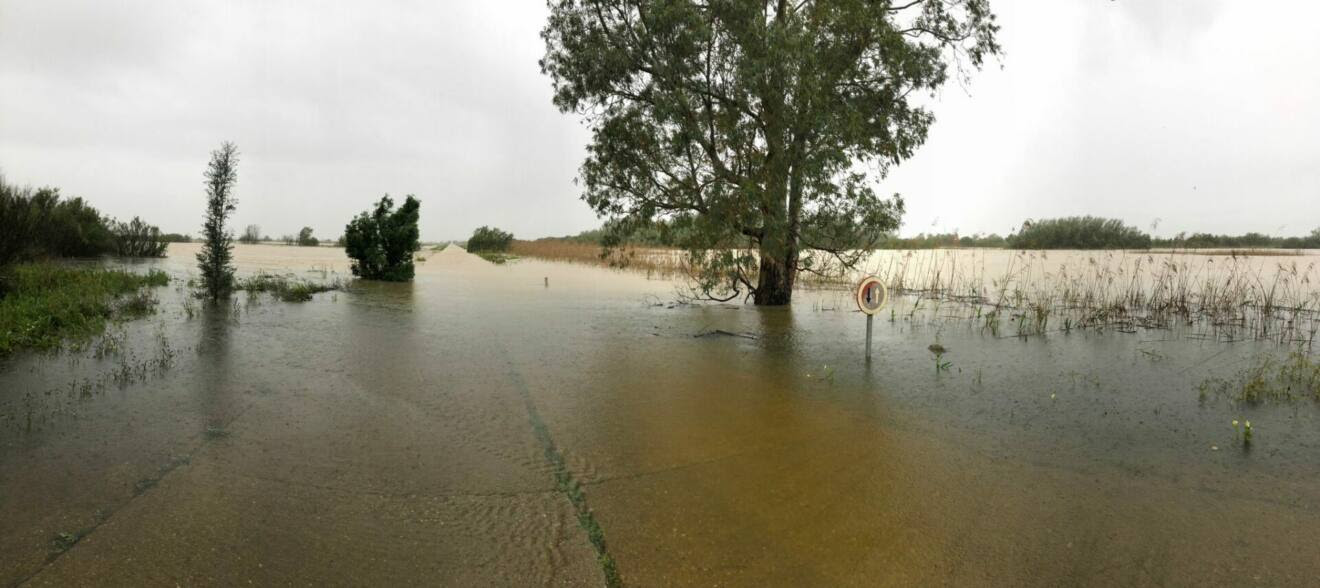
<point x="871" y="295"/>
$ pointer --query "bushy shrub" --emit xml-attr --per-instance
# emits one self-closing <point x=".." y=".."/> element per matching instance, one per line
<point x="381" y="242"/>
<point x="40" y="223"/>
<point x="489" y="239"/>
<point x="138" y="239"/>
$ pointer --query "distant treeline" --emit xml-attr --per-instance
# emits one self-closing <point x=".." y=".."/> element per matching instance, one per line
<point x="41" y="223"/>
<point x="1074" y="232"/>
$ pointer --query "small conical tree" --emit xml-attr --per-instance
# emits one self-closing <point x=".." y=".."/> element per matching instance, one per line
<point x="214" y="260"/>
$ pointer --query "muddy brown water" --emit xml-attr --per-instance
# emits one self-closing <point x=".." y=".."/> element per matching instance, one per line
<point x="478" y="427"/>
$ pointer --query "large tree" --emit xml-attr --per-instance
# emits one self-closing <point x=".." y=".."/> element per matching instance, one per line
<point x="759" y="127"/>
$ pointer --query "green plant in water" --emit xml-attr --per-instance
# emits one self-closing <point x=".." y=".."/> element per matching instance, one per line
<point x="1271" y="379"/>
<point x="939" y="351"/>
<point x="1243" y="432"/>
<point x="286" y="289"/>
<point x="496" y="258"/>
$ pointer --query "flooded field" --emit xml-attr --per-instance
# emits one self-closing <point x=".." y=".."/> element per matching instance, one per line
<point x="542" y="423"/>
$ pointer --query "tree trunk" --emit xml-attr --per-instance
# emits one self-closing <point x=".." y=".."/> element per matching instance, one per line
<point x="774" y="286"/>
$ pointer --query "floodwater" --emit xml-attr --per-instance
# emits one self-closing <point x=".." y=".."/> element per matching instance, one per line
<point x="554" y="424"/>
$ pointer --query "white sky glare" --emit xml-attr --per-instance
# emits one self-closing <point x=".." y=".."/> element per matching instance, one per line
<point x="1202" y="113"/>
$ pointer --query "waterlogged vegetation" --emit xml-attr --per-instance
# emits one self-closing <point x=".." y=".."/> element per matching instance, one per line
<point x="44" y="304"/>
<point x="1270" y="378"/>
<point x="288" y="288"/>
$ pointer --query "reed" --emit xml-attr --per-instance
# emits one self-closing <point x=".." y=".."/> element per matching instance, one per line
<point x="1225" y="298"/>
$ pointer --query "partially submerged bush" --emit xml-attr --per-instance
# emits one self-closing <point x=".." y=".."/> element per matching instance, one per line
<point x="489" y="239"/>
<point x="381" y="242"/>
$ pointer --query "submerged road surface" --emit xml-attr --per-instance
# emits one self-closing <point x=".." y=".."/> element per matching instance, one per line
<point x="479" y="428"/>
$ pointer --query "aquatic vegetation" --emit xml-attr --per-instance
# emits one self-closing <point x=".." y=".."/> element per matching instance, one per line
<point x="286" y="288"/>
<point x="43" y="304"/>
<point x="1270" y="379"/>
<point x="1222" y="298"/>
<point x="939" y="351"/>
<point x="1243" y="433"/>
<point x="496" y="258"/>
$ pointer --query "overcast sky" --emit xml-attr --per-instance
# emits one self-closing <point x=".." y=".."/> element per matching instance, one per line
<point x="1202" y="113"/>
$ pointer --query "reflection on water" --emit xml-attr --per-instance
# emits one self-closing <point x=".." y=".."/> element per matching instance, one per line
<point x="476" y="427"/>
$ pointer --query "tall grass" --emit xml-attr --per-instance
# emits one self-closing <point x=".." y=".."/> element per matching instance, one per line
<point x="42" y="304"/>
<point x="1226" y="298"/>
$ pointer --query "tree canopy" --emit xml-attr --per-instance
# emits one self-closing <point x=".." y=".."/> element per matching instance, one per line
<point x="381" y="242"/>
<point x="489" y="239"/>
<point x="764" y="124"/>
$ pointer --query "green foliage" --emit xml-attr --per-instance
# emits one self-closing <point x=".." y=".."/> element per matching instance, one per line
<point x="40" y="223"/>
<point x="745" y="123"/>
<point x="176" y="238"/>
<point x="41" y="304"/>
<point x="1078" y="232"/>
<point x="489" y="239"/>
<point x="381" y="242"/>
<point x="306" y="239"/>
<point x="215" y="260"/>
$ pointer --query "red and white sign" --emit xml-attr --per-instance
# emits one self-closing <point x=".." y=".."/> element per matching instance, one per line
<point x="871" y="295"/>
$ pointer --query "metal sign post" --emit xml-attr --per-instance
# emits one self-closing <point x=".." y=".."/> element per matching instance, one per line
<point x="871" y="297"/>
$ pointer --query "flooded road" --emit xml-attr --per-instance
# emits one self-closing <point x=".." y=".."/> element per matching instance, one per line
<point x="541" y="423"/>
